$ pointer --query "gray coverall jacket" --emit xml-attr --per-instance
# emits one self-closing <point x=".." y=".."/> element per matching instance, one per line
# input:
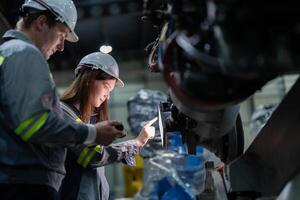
<point x="33" y="131"/>
<point x="85" y="178"/>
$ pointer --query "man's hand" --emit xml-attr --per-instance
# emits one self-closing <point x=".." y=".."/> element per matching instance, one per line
<point x="146" y="133"/>
<point x="107" y="132"/>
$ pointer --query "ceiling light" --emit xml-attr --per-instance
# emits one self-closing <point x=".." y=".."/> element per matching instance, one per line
<point x="106" y="48"/>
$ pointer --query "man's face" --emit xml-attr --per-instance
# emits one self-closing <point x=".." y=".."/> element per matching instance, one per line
<point x="53" y="39"/>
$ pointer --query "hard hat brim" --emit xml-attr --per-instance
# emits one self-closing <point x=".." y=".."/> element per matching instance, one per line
<point x="72" y="37"/>
<point x="119" y="83"/>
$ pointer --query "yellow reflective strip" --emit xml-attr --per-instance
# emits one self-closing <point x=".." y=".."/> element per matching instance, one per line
<point x="83" y="153"/>
<point x="78" y="120"/>
<point x="98" y="148"/>
<point x="24" y="125"/>
<point x="88" y="158"/>
<point x="91" y="155"/>
<point x="37" y="125"/>
<point x="2" y="60"/>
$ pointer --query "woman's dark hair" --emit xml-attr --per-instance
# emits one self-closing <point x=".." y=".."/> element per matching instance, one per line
<point x="80" y="91"/>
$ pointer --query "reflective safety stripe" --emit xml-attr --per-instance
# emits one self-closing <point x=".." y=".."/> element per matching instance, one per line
<point x="82" y="155"/>
<point x="78" y="120"/>
<point x="41" y="121"/>
<point x="1" y="59"/>
<point x="92" y="152"/>
<point x="29" y="127"/>
<point x="87" y="154"/>
<point x="24" y="125"/>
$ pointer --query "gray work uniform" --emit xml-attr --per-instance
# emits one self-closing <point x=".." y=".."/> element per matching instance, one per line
<point x="85" y="178"/>
<point x="33" y="131"/>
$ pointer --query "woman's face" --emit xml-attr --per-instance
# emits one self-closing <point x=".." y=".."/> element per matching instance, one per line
<point x="101" y="91"/>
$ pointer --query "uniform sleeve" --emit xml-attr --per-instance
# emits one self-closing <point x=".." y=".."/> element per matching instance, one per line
<point x="97" y="156"/>
<point x="31" y="103"/>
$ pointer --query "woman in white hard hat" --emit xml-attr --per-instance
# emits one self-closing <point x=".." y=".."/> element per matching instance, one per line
<point x="86" y="100"/>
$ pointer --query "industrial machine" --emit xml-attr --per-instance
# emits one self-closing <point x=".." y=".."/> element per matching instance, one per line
<point x="213" y="55"/>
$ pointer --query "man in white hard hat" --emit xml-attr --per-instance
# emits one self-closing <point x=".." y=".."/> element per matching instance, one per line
<point x="33" y="132"/>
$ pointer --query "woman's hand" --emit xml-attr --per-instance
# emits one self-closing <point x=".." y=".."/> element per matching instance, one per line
<point x="146" y="133"/>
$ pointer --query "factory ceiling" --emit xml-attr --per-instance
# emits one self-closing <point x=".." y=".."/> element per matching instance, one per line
<point x="114" y="22"/>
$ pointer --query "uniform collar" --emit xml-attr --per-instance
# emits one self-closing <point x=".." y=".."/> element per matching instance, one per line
<point x="15" y="34"/>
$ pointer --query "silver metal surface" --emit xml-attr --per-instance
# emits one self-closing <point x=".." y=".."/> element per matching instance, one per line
<point x="274" y="156"/>
<point x="161" y="128"/>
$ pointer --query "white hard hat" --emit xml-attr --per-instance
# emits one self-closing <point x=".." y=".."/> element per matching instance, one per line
<point x="64" y="10"/>
<point x="101" y="61"/>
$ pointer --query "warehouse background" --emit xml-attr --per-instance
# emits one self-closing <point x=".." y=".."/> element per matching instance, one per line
<point x="118" y="23"/>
